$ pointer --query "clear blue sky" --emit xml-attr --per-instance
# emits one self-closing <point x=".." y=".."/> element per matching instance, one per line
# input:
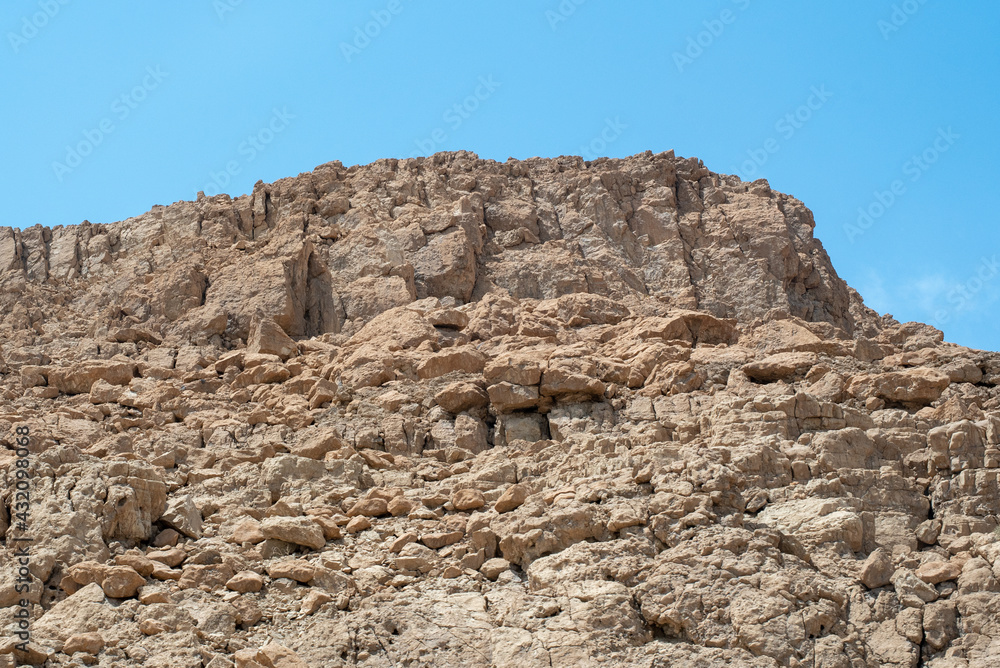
<point x="187" y="96"/>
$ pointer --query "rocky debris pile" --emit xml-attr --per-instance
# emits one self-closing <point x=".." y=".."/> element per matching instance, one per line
<point x="447" y="411"/>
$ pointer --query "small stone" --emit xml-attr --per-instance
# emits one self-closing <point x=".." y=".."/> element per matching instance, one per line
<point x="268" y="338"/>
<point x="140" y="562"/>
<point x="403" y="541"/>
<point x="330" y="528"/>
<point x="299" y="570"/>
<point x="877" y="570"/>
<point x="369" y="508"/>
<point x="172" y="557"/>
<point x="492" y="568"/>
<point x="416" y="557"/>
<point x="458" y="397"/>
<point x="358" y="524"/>
<point x="438" y="540"/>
<point x="468" y="499"/>
<point x="183" y="515"/>
<point x="297" y="530"/>
<point x="245" y="581"/>
<point x="121" y="582"/>
<point x="88" y="643"/>
<point x="512" y="498"/>
<point x="927" y="532"/>
<point x="313" y="601"/>
<point x="206" y="577"/>
<point x="938" y="571"/>
<point x="163" y="572"/>
<point x="401" y="506"/>
<point x="273" y="655"/>
<point x="247" y="531"/>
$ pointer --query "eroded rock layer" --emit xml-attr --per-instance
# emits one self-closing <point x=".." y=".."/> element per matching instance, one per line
<point x="449" y="411"/>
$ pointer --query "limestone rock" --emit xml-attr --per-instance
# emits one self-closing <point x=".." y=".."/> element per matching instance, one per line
<point x="183" y="515"/>
<point x="296" y="530"/>
<point x="512" y="498"/>
<point x="468" y="499"/>
<point x="268" y="338"/>
<point x="121" y="582"/>
<point x="877" y="569"/>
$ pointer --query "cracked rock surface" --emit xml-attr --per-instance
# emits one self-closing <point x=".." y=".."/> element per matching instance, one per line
<point x="447" y="411"/>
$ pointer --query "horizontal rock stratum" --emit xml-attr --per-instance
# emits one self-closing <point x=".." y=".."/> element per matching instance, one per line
<point x="448" y="411"/>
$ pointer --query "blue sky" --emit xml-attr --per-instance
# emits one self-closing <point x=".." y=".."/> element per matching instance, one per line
<point x="879" y="115"/>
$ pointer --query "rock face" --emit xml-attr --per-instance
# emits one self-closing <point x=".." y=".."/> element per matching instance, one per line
<point x="449" y="411"/>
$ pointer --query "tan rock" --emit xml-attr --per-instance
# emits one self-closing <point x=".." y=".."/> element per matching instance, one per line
<point x="138" y="562"/>
<point x="372" y="507"/>
<point x="712" y="425"/>
<point x="512" y="498"/>
<point x="183" y="515"/>
<point x="247" y="531"/>
<point x="313" y="601"/>
<point x="877" y="569"/>
<point x="403" y="541"/>
<point x="465" y="361"/>
<point x="317" y="446"/>
<point x="400" y="506"/>
<point x="121" y="581"/>
<point x="358" y="524"/>
<point x="782" y="366"/>
<point x="917" y="386"/>
<point x="171" y="557"/>
<point x="88" y="643"/>
<point x="245" y="581"/>
<point x="440" y="539"/>
<point x="207" y="577"/>
<point x="940" y="624"/>
<point x="458" y="397"/>
<point x="79" y="378"/>
<point x="514" y="369"/>
<point x="263" y="374"/>
<point x="273" y="655"/>
<point x="88" y="572"/>
<point x="293" y="569"/>
<point x="416" y="557"/>
<point x="938" y="571"/>
<point x="506" y="397"/>
<point x="268" y="338"/>
<point x="297" y="530"/>
<point x="468" y="499"/>
<point x="492" y="568"/>
<point x="927" y="532"/>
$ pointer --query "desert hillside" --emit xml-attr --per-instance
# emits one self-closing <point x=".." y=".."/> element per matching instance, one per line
<point x="452" y="412"/>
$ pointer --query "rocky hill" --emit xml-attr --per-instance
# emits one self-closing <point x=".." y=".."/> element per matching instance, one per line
<point x="448" y="411"/>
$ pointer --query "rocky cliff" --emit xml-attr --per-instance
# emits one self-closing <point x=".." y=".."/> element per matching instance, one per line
<point x="449" y="411"/>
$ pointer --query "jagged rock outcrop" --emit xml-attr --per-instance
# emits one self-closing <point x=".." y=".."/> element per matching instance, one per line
<point x="450" y="411"/>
